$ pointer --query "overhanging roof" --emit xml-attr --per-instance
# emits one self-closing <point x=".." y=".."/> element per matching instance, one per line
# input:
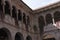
<point x="48" y="7"/>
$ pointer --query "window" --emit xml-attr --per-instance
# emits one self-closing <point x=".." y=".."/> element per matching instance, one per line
<point x="7" y="8"/>
<point x="19" y="15"/>
<point x="1" y="9"/>
<point x="28" y="23"/>
<point x="49" y="19"/>
<point x="24" y="18"/>
<point x="41" y="24"/>
<point x="1" y="6"/>
<point x="57" y="16"/>
<point x="14" y="15"/>
<point x="35" y="28"/>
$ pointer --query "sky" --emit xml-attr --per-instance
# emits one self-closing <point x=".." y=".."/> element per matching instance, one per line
<point x="35" y="4"/>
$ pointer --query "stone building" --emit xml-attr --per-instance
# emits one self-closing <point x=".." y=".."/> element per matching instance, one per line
<point x="19" y="22"/>
<point x="48" y="21"/>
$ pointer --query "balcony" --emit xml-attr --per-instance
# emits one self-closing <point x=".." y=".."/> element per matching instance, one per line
<point x="50" y="27"/>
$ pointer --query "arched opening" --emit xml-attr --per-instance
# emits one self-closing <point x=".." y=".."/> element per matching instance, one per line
<point x="28" y="20"/>
<point x="24" y="18"/>
<point x="19" y="36"/>
<point x="14" y="14"/>
<point x="41" y="24"/>
<point x="28" y="38"/>
<point x="27" y="23"/>
<point x="49" y="19"/>
<point x="1" y="6"/>
<point x="5" y="34"/>
<point x="35" y="28"/>
<point x="7" y="8"/>
<point x="57" y="16"/>
<point x="1" y="10"/>
<point x="19" y="15"/>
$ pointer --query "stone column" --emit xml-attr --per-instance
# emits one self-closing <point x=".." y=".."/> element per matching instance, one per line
<point x="44" y="19"/>
<point x="53" y="19"/>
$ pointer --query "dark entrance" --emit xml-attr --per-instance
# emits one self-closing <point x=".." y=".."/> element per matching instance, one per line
<point x="28" y="38"/>
<point x="19" y="36"/>
<point x="4" y="34"/>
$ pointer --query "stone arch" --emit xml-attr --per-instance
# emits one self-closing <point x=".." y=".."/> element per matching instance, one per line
<point x="7" y="7"/>
<point x="57" y="16"/>
<point x="1" y="6"/>
<point x="27" y="22"/>
<point x="28" y="38"/>
<point x="19" y="36"/>
<point x="14" y="14"/>
<point x="19" y="15"/>
<point x="24" y="18"/>
<point x="49" y="19"/>
<point x="41" y="23"/>
<point x="5" y="34"/>
<point x="49" y="37"/>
